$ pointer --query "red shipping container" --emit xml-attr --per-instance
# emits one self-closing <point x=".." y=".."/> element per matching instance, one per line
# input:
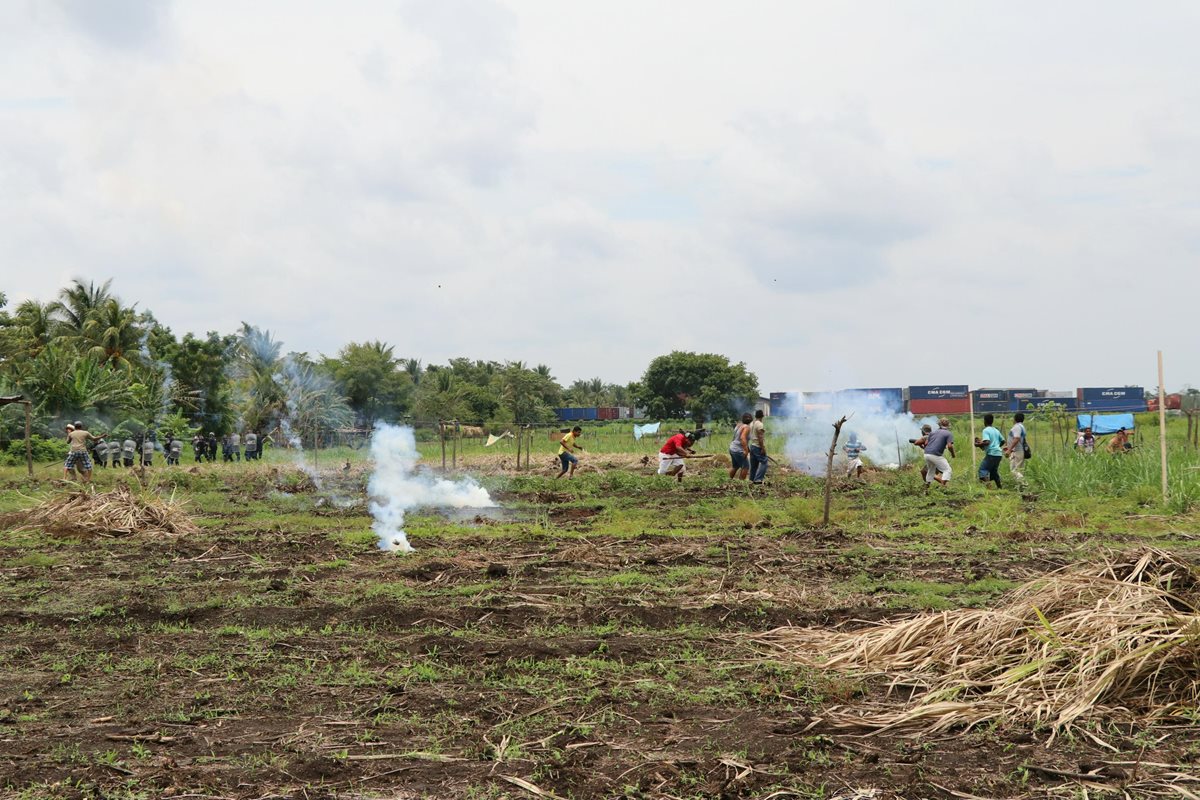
<point x="608" y="412"/>
<point x="950" y="406"/>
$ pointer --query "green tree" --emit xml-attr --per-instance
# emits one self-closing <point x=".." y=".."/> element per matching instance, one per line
<point x="77" y="303"/>
<point x="700" y="385"/>
<point x="111" y="334"/>
<point x="25" y="332"/>
<point x="527" y="395"/>
<point x="201" y="382"/>
<point x="372" y="380"/>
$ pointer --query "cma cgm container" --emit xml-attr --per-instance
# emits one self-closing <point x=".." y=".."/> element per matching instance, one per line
<point x="1112" y="398"/>
<point x="940" y="399"/>
<point x="889" y="399"/>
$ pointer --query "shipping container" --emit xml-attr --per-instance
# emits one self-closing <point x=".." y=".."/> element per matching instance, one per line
<point x="625" y="412"/>
<point x="1174" y="402"/>
<point x="922" y="407"/>
<point x="608" y="413"/>
<point x="778" y="402"/>
<point x="1112" y="398"/>
<point x="941" y="392"/>
<point x="590" y="414"/>
<point x="990" y="401"/>
<point x="886" y="398"/>
<point x="1069" y="404"/>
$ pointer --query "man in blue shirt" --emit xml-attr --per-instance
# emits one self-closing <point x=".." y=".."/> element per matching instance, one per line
<point x="992" y="444"/>
<point x="936" y="444"/>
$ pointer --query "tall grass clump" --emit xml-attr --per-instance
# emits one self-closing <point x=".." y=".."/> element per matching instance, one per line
<point x="1067" y="475"/>
<point x="1118" y="640"/>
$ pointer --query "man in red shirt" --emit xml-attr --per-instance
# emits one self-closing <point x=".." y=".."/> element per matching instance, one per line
<point x="671" y="456"/>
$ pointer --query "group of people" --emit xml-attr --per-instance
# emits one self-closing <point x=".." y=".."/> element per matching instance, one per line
<point x="86" y="450"/>
<point x="231" y="446"/>
<point x="1085" y="441"/>
<point x="747" y="451"/>
<point x="994" y="444"/>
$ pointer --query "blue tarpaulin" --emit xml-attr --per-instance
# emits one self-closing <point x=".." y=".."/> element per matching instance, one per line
<point x="1103" y="424"/>
<point x="642" y="430"/>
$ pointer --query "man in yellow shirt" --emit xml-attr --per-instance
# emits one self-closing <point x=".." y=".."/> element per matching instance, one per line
<point x="566" y="452"/>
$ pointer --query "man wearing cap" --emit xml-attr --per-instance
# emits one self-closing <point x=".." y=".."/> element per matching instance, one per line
<point x="77" y="453"/>
<point x="671" y="456"/>
<point x="936" y="445"/>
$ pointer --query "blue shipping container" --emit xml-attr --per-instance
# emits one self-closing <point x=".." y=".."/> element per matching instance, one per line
<point x="1068" y="403"/>
<point x="1130" y="404"/>
<point x="778" y="408"/>
<point x="890" y="398"/>
<point x="1101" y="394"/>
<point x="943" y="392"/>
<point x="590" y="413"/>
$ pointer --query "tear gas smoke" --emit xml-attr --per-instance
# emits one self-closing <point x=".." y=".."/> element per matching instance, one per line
<point x="808" y="426"/>
<point x="397" y="487"/>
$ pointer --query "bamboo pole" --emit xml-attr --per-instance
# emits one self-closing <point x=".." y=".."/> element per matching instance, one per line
<point x="1162" y="425"/>
<point x="837" y="429"/>
<point x="442" y="437"/>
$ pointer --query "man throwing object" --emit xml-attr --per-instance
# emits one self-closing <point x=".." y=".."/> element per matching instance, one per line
<point x="671" y="456"/>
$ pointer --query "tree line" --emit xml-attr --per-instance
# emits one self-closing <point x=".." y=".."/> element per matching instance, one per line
<point x="89" y="354"/>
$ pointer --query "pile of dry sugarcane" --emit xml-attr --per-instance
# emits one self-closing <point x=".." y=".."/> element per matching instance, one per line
<point x="120" y="512"/>
<point x="1115" y="640"/>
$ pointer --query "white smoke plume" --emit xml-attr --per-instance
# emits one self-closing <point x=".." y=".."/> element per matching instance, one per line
<point x="808" y="426"/>
<point x="396" y="486"/>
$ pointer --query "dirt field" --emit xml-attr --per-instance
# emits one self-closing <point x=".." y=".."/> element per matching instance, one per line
<point x="583" y="641"/>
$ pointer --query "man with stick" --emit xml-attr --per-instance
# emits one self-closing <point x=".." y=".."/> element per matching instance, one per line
<point x="758" y="449"/>
<point x="936" y="445"/>
<point x="671" y="456"/>
<point x="77" y="455"/>
<point x="567" y="446"/>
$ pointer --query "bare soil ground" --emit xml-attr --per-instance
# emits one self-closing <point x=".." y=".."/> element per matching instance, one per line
<point x="536" y="654"/>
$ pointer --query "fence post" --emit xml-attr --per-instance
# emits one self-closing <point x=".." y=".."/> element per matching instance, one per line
<point x="442" y="437"/>
<point x="1162" y="426"/>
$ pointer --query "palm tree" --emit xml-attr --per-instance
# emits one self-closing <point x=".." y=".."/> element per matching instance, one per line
<point x="111" y="334"/>
<point x="76" y="304"/>
<point x="413" y="367"/>
<point x="29" y="329"/>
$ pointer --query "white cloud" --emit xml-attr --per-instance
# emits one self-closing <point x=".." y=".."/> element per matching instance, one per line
<point x="857" y="193"/>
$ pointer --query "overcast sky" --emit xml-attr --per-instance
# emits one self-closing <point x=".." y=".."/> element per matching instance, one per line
<point x="838" y="194"/>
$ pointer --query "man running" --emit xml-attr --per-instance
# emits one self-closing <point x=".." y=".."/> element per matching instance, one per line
<point x="854" y="450"/>
<point x="77" y="453"/>
<point x="991" y="441"/>
<point x="936" y="445"/>
<point x="567" y="446"/>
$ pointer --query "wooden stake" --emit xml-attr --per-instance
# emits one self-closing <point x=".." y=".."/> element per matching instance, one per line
<point x="837" y="430"/>
<point x="974" y="472"/>
<point x="1162" y="425"/>
<point x="442" y="436"/>
<point x="28" y="442"/>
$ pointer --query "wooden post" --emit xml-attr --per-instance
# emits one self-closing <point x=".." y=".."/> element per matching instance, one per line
<point x="520" y="435"/>
<point x="1162" y="425"/>
<point x="454" y="445"/>
<point x="837" y="429"/>
<point x="442" y="437"/>
<point x="28" y="443"/>
<point x="974" y="471"/>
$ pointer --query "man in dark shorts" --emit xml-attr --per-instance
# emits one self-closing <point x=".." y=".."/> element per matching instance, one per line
<point x="567" y="446"/>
